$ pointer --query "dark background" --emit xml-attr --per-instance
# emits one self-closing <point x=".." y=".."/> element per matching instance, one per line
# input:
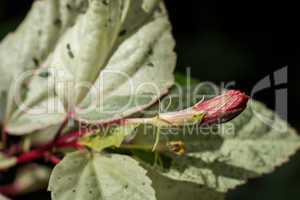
<point x="223" y="41"/>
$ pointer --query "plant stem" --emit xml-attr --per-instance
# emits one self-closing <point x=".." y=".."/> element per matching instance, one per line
<point x="66" y="141"/>
<point x="142" y="147"/>
<point x="52" y="158"/>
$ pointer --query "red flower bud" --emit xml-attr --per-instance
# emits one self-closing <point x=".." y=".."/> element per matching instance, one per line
<point x="223" y="108"/>
<point x="216" y="110"/>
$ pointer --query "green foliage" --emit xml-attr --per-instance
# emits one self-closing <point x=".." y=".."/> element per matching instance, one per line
<point x="86" y="41"/>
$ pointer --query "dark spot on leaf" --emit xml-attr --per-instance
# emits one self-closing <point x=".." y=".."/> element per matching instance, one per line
<point x="40" y="32"/>
<point x="90" y="191"/>
<point x="105" y="2"/>
<point x="122" y="33"/>
<point x="121" y="6"/>
<point x="45" y="74"/>
<point x="70" y="53"/>
<point x="126" y="186"/>
<point x="150" y="52"/>
<point x="150" y="64"/>
<point x="69" y="7"/>
<point x="57" y="22"/>
<point x="36" y="62"/>
<point x="74" y="191"/>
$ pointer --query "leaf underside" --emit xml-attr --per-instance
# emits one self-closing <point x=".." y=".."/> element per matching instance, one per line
<point x="117" y="47"/>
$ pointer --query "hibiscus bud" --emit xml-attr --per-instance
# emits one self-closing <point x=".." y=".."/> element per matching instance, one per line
<point x="222" y="108"/>
<point x="216" y="110"/>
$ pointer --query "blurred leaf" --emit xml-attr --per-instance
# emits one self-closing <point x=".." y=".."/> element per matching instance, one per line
<point x="3" y="197"/>
<point x="44" y="136"/>
<point x="32" y="178"/>
<point x="7" y="162"/>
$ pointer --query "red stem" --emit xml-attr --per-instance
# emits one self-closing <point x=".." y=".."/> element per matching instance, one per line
<point x="30" y="156"/>
<point x="52" y="158"/>
<point x="66" y="141"/>
<point x="62" y="127"/>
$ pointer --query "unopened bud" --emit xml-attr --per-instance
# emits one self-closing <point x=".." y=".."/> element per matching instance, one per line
<point x="223" y="108"/>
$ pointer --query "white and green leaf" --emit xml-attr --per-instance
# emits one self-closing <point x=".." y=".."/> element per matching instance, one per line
<point x="45" y="114"/>
<point x="32" y="42"/>
<point x="83" y="175"/>
<point x="114" y="46"/>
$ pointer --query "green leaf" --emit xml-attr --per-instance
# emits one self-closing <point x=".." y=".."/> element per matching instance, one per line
<point x="112" y="137"/>
<point x="245" y="148"/>
<point x="82" y="175"/>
